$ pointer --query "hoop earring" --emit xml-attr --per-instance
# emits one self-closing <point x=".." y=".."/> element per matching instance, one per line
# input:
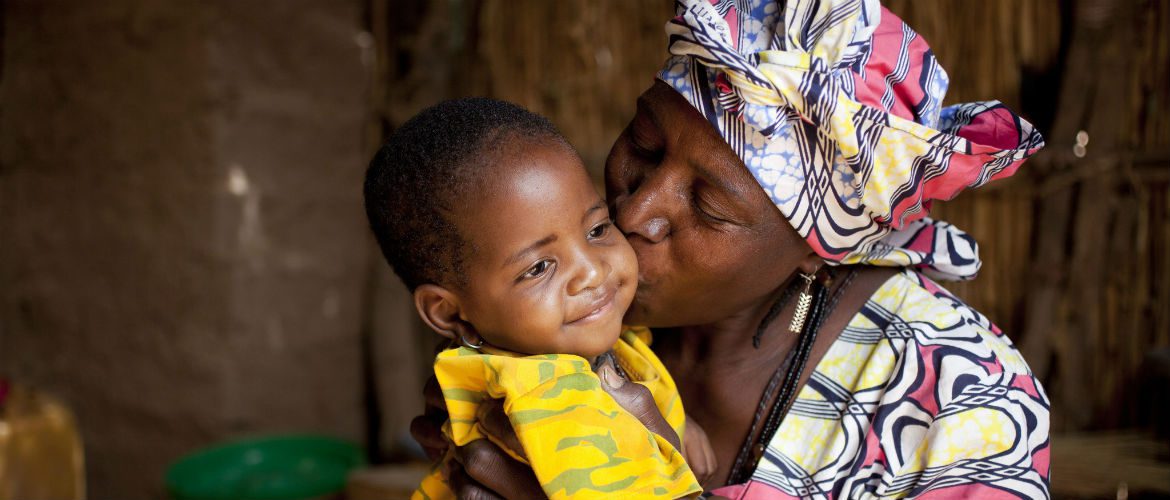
<point x="469" y="345"/>
<point x="802" y="304"/>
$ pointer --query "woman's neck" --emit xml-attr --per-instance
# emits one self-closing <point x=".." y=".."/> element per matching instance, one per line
<point x="727" y="343"/>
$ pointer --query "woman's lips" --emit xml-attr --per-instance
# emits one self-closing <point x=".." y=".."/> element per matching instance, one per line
<point x="597" y="309"/>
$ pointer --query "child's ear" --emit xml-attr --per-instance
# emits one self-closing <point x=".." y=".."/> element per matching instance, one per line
<point x="439" y="309"/>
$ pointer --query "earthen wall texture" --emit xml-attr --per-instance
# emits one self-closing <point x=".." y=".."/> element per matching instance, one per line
<point x="182" y="247"/>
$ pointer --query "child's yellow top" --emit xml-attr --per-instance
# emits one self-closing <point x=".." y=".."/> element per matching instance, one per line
<point x="578" y="440"/>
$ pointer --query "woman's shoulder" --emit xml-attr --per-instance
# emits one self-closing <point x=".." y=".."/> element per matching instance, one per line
<point x="917" y="384"/>
<point x="929" y="318"/>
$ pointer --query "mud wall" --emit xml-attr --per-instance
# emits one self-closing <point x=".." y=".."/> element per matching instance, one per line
<point x="182" y="250"/>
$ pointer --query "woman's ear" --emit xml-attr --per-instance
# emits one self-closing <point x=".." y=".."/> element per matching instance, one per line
<point x="811" y="263"/>
<point x="439" y="309"/>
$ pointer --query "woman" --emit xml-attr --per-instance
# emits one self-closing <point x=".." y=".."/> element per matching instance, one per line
<point x="794" y="318"/>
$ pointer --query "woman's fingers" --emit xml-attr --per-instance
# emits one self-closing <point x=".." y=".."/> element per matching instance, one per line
<point x="490" y="467"/>
<point x="712" y="462"/>
<point x="698" y="452"/>
<point x="429" y="434"/>
<point x="465" y="488"/>
<point x="427" y="429"/>
<point x="637" y="400"/>
<point x="495" y="422"/>
<point x="433" y="402"/>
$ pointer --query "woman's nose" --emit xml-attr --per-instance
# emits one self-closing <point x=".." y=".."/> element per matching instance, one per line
<point x="646" y="211"/>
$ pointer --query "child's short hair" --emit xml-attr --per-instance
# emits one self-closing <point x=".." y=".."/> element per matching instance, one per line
<point x="424" y="167"/>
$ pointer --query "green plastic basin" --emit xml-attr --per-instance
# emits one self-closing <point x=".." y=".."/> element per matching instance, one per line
<point x="291" y="467"/>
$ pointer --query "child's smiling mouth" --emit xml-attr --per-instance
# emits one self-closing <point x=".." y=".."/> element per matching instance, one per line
<point x="598" y="308"/>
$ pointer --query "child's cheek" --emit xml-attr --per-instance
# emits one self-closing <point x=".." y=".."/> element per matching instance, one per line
<point x="551" y="307"/>
<point x="627" y="263"/>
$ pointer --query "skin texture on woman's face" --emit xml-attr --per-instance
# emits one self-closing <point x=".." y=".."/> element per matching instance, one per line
<point x="548" y="273"/>
<point x="709" y="241"/>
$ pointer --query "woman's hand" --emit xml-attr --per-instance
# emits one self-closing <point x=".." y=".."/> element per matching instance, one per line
<point x="698" y="452"/>
<point x="480" y="470"/>
<point x="484" y="470"/>
<point x="637" y="400"/>
<point x="427" y="429"/>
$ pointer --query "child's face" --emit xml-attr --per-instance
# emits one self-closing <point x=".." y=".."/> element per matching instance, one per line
<point x="546" y="272"/>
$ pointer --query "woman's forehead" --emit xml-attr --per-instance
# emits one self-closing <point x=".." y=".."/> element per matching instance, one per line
<point x="660" y="99"/>
<point x="702" y="148"/>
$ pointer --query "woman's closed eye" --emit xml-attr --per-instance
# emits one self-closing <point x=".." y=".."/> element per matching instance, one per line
<point x="648" y="156"/>
<point x="710" y="212"/>
<point x="644" y="140"/>
<point x="651" y="153"/>
<point x="709" y="215"/>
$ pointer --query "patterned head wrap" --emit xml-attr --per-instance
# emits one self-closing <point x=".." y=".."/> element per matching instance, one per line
<point x="835" y="108"/>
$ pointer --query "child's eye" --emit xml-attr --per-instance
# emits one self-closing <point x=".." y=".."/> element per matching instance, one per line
<point x="599" y="231"/>
<point x="537" y="270"/>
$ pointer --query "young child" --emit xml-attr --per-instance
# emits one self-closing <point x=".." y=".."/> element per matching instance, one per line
<point x="489" y="217"/>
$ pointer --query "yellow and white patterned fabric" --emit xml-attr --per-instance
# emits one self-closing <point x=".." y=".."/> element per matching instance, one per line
<point x="835" y="106"/>
<point x="919" y="397"/>
<point x="577" y="439"/>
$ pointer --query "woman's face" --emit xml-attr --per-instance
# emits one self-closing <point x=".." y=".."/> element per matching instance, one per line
<point x="710" y="243"/>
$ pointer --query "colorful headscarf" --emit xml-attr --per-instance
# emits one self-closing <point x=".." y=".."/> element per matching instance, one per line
<point x="835" y="108"/>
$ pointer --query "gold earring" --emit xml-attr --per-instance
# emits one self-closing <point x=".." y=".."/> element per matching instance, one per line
<point x="802" y="304"/>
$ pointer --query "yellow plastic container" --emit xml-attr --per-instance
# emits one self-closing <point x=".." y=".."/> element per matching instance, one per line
<point x="41" y="456"/>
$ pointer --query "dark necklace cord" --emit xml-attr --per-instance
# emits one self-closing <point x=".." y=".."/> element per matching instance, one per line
<point x="774" y="381"/>
<point x="793" y="366"/>
<point x="745" y="451"/>
<point x="808" y="339"/>
<point x="793" y="363"/>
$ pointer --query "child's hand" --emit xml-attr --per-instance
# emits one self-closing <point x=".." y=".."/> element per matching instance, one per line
<point x="698" y="452"/>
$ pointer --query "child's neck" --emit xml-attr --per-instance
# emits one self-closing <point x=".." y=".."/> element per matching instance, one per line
<point x="597" y="361"/>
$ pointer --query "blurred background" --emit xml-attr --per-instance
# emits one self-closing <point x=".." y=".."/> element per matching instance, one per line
<point x="184" y="258"/>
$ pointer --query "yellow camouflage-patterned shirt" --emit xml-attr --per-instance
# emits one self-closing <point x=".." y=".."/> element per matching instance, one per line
<point x="577" y="439"/>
